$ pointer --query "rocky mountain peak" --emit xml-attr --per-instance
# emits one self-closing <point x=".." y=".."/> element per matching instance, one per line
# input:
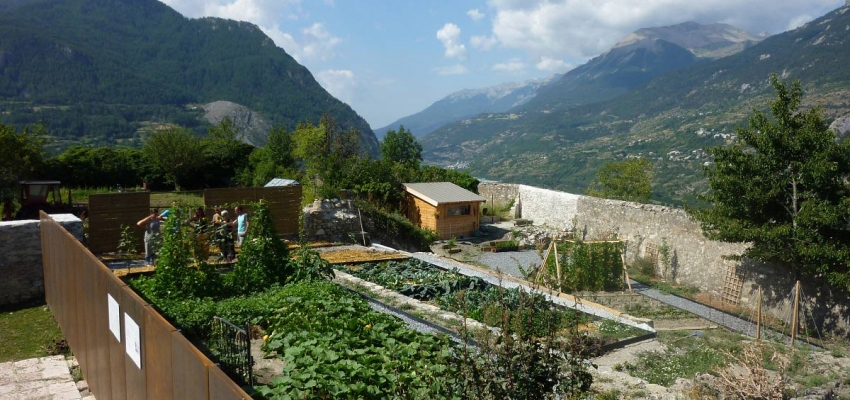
<point x="707" y="41"/>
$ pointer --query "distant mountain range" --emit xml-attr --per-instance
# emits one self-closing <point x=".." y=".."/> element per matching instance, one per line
<point x="468" y="103"/>
<point x="635" y="60"/>
<point x="109" y="72"/>
<point x="556" y="141"/>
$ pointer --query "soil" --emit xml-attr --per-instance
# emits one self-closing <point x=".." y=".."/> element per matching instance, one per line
<point x="264" y="368"/>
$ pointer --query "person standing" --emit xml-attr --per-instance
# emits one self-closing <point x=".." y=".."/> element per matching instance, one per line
<point x="241" y="225"/>
<point x="151" y="225"/>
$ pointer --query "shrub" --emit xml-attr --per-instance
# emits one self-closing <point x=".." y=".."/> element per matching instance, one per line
<point x="397" y="226"/>
<point x="586" y="266"/>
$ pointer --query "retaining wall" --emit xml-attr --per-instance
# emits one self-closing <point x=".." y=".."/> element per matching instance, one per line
<point x="333" y="220"/>
<point x="21" y="272"/>
<point x="695" y="260"/>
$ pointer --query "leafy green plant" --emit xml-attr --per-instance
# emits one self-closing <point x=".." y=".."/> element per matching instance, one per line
<point x="396" y="226"/>
<point x="586" y="266"/>
<point x="506" y="245"/>
<point x="334" y="346"/>
<point x="127" y="244"/>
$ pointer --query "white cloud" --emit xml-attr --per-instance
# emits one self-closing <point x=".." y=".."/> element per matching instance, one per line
<point x="513" y="65"/>
<point x="551" y="64"/>
<point x="261" y="12"/>
<point x="342" y="83"/>
<point x="449" y="35"/>
<point x="483" y="42"/>
<point x="475" y="14"/>
<point x="581" y="29"/>
<point x="317" y="42"/>
<point x="457" y="69"/>
<point x="314" y="42"/>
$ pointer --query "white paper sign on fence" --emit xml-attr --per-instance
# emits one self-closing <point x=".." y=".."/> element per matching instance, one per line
<point x="133" y="340"/>
<point x="114" y="317"/>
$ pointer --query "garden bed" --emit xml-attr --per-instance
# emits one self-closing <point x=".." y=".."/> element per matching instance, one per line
<point x="356" y="256"/>
<point x="480" y="300"/>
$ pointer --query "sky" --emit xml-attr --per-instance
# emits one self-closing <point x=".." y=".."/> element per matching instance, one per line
<point x="388" y="59"/>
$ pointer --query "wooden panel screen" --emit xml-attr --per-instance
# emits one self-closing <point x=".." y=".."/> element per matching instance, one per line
<point x="108" y="212"/>
<point x="77" y="286"/>
<point x="284" y="204"/>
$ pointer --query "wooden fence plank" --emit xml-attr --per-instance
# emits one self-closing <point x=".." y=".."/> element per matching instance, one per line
<point x="189" y="369"/>
<point x="222" y="387"/>
<point x="157" y="351"/>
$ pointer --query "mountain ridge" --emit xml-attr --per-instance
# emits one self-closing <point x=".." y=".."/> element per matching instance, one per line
<point x="670" y="119"/>
<point x="120" y="67"/>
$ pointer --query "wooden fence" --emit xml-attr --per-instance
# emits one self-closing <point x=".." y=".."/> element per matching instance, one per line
<point x="125" y="348"/>
<point x="284" y="204"/>
<point x="108" y="212"/>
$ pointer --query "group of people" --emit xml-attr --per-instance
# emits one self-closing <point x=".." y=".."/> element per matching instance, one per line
<point x="228" y="232"/>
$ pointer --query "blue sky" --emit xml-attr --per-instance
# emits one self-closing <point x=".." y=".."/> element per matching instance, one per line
<point x="391" y="58"/>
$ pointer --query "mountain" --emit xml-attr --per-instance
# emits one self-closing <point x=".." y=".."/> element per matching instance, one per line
<point x="110" y="71"/>
<point x="467" y="103"/>
<point x="640" y="57"/>
<point x="635" y="60"/>
<point x="670" y="120"/>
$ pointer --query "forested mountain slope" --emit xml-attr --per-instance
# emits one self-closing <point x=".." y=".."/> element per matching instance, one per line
<point x="104" y="71"/>
<point x="669" y="120"/>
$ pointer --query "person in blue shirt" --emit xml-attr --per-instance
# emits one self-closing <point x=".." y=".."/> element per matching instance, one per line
<point x="241" y="225"/>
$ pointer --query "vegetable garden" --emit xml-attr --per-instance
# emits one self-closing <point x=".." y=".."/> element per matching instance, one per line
<point x="333" y="345"/>
<point x="491" y="305"/>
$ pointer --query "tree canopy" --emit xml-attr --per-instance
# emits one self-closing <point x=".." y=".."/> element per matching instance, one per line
<point x="783" y="188"/>
<point x="21" y="155"/>
<point x="629" y="180"/>
<point x="401" y="147"/>
<point x="176" y="153"/>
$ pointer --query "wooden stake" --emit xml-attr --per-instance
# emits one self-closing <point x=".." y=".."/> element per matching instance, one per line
<point x="557" y="266"/>
<point x="796" y="310"/>
<point x="362" y="233"/>
<point x="758" y="318"/>
<point x="625" y="273"/>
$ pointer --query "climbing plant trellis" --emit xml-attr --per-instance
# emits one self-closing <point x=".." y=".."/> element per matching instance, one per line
<point x="575" y="265"/>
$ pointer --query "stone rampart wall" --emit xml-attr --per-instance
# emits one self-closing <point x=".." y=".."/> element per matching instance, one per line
<point x="21" y="271"/>
<point x="333" y="220"/>
<point x="695" y="260"/>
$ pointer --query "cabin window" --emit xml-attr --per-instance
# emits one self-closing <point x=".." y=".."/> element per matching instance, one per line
<point x="454" y="211"/>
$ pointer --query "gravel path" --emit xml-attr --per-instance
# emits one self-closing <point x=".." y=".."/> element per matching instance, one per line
<point x="734" y="323"/>
<point x="510" y="262"/>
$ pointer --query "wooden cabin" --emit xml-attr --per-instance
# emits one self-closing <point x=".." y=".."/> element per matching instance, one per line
<point x="449" y="209"/>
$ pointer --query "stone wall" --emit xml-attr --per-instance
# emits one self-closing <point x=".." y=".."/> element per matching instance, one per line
<point x="21" y="271"/>
<point x="333" y="220"/>
<point x="695" y="260"/>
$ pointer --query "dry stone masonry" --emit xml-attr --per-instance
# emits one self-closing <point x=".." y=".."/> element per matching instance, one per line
<point x="20" y="258"/>
<point x="693" y="259"/>
<point x="333" y="220"/>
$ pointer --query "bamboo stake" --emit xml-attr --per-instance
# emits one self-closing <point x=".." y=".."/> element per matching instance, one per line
<point x="625" y="272"/>
<point x="758" y="316"/>
<point x="557" y="266"/>
<point x="362" y="233"/>
<point x="796" y="310"/>
<point x="543" y="266"/>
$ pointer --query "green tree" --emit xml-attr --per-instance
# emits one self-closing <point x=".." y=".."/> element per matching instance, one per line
<point x="629" y="180"/>
<point x="223" y="153"/>
<point x="21" y="156"/>
<point x="327" y="154"/>
<point x="783" y="188"/>
<point x="280" y="146"/>
<point x="401" y="147"/>
<point x="175" y="153"/>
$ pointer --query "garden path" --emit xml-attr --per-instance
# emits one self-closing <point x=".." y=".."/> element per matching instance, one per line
<point x="44" y="378"/>
<point x="719" y="317"/>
